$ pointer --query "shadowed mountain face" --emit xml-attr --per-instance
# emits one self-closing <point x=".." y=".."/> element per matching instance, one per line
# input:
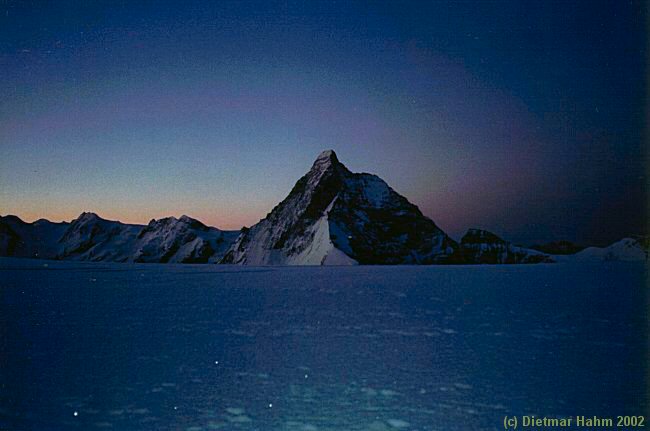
<point x="9" y="240"/>
<point x="331" y="217"/>
<point x="37" y="240"/>
<point x="334" y="216"/>
<point x="481" y="246"/>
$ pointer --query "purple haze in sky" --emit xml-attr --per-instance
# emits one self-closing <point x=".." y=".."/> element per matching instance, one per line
<point x="524" y="119"/>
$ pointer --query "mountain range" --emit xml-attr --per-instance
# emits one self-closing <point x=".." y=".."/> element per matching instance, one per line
<point x="90" y="237"/>
<point x="331" y="217"/>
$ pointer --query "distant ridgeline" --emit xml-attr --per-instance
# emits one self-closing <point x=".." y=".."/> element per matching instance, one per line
<point x="331" y="217"/>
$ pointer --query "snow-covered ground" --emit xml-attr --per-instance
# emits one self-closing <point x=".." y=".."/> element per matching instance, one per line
<point x="199" y="347"/>
<point x="627" y="249"/>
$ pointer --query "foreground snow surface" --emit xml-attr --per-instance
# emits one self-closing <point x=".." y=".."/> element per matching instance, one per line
<point x="184" y="347"/>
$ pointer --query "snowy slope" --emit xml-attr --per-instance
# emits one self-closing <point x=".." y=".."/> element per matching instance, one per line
<point x="481" y="246"/>
<point x="183" y="240"/>
<point x="140" y="347"/>
<point x="333" y="216"/>
<point x="627" y="249"/>
<point x="90" y="237"/>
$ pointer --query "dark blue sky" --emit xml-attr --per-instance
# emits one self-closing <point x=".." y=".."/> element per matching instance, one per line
<point x="525" y="118"/>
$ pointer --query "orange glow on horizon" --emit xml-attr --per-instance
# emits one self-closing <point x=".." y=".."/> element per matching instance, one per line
<point x="225" y="221"/>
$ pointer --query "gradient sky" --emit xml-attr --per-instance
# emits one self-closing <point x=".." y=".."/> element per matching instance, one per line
<point x="524" y="118"/>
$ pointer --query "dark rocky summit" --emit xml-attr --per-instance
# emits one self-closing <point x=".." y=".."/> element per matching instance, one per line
<point x="481" y="246"/>
<point x="334" y="216"/>
<point x="331" y="217"/>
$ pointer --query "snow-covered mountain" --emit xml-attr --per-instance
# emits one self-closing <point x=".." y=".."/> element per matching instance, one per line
<point x="336" y="217"/>
<point x="90" y="237"/>
<point x="331" y="217"/>
<point x="183" y="240"/>
<point x="481" y="246"/>
<point x="38" y="239"/>
<point x="627" y="249"/>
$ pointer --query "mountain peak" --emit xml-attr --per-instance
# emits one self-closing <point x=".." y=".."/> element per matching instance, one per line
<point x="327" y="154"/>
<point x="479" y="236"/>
<point x="12" y="218"/>
<point x="87" y="216"/>
<point x="193" y="223"/>
<point x="334" y="216"/>
<point x="482" y="246"/>
<point x="326" y="159"/>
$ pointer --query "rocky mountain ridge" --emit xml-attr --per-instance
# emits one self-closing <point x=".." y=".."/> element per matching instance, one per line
<point x="481" y="246"/>
<point x="332" y="216"/>
<point x="90" y="237"/>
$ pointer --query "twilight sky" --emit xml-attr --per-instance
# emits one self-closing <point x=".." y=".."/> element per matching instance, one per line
<point x="524" y="118"/>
